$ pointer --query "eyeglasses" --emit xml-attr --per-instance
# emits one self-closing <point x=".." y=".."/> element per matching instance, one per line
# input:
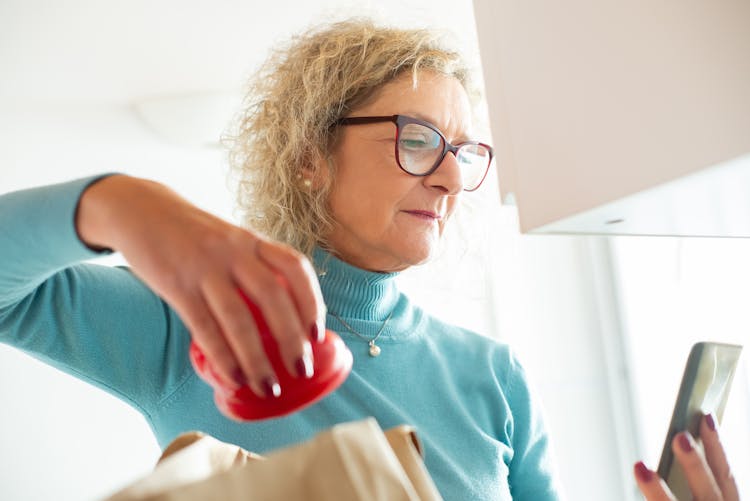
<point x="421" y="148"/>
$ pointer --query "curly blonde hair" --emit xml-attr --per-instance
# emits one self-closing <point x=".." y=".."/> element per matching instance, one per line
<point x="286" y="125"/>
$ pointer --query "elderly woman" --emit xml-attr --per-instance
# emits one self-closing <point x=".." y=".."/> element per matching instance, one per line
<point x="353" y="152"/>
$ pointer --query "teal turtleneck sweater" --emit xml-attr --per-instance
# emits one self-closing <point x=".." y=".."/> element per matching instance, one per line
<point x="466" y="394"/>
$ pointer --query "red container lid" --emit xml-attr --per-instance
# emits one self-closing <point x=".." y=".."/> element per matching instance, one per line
<point x="332" y="363"/>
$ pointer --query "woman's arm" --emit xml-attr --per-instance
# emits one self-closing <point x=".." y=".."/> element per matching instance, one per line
<point x="196" y="262"/>
<point x="37" y="237"/>
<point x="533" y="473"/>
<point x="98" y="323"/>
<point x="190" y="258"/>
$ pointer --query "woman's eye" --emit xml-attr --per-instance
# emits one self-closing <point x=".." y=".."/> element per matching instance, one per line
<point x="413" y="143"/>
<point x="420" y="142"/>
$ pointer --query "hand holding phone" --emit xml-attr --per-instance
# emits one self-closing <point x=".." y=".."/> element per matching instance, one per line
<point x="700" y="404"/>
<point x="704" y="390"/>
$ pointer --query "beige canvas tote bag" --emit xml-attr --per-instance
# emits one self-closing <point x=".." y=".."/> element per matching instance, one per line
<point x="351" y="461"/>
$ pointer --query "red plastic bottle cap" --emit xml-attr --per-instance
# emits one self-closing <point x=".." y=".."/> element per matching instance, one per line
<point x="332" y="363"/>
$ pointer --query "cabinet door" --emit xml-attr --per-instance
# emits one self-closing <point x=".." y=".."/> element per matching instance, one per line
<point x="621" y="117"/>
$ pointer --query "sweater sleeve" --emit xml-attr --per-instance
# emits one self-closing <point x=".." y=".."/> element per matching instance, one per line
<point x="532" y="473"/>
<point x="98" y="323"/>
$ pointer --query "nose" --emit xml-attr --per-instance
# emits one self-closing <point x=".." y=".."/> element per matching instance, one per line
<point x="447" y="177"/>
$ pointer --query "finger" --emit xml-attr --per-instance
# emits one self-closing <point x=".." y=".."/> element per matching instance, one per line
<point x="698" y="475"/>
<point x="650" y="485"/>
<point x="241" y="334"/>
<point x="261" y="286"/>
<point x="207" y="335"/>
<point x="303" y="284"/>
<point x="717" y="459"/>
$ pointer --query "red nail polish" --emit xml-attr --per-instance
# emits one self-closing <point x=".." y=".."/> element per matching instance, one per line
<point x="271" y="387"/>
<point x="304" y="367"/>
<point x="643" y="473"/>
<point x="684" y="442"/>
<point x="239" y="377"/>
<point x="710" y="422"/>
<point x="315" y="334"/>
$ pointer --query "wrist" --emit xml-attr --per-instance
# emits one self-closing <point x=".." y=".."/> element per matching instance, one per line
<point x="94" y="212"/>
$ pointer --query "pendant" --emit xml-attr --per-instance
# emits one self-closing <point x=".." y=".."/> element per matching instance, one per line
<point x="374" y="349"/>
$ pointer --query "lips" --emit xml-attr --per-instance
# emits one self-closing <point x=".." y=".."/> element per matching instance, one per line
<point x="425" y="214"/>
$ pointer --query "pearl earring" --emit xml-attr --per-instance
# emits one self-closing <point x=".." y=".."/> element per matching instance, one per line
<point x="307" y="182"/>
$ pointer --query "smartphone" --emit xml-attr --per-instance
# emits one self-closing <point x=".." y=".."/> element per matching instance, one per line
<point x="704" y="389"/>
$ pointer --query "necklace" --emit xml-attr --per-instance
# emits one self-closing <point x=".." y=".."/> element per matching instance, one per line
<point x="374" y="349"/>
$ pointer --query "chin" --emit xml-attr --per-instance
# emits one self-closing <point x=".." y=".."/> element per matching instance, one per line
<point x="419" y="254"/>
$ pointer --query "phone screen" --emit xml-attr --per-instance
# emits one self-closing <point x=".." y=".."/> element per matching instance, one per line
<point x="704" y="389"/>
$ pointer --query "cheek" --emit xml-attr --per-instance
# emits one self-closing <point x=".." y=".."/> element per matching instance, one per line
<point x="373" y="191"/>
<point x="359" y="171"/>
<point x="451" y="207"/>
<point x="361" y="205"/>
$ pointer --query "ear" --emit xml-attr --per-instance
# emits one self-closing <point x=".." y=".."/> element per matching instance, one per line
<point x="319" y="172"/>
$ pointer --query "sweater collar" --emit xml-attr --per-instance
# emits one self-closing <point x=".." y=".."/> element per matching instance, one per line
<point x="352" y="292"/>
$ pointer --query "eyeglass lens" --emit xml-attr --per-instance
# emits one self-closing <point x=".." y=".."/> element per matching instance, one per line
<point x="420" y="149"/>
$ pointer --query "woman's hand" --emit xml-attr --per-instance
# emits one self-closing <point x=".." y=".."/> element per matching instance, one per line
<point x="196" y="262"/>
<point x="709" y="475"/>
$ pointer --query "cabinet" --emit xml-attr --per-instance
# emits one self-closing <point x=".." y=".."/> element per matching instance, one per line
<point x="612" y="117"/>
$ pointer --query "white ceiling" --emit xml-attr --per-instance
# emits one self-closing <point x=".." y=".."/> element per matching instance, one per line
<point x="122" y="52"/>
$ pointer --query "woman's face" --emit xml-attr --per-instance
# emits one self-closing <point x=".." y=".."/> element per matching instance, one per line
<point x="386" y="219"/>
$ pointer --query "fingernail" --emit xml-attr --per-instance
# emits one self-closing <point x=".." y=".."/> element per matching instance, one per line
<point x="317" y="333"/>
<point x="271" y="387"/>
<point x="710" y="422"/>
<point x="239" y="377"/>
<point x="684" y="442"/>
<point x="643" y="473"/>
<point x="304" y="366"/>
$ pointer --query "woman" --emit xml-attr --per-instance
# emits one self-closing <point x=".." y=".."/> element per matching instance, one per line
<point x="353" y="152"/>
